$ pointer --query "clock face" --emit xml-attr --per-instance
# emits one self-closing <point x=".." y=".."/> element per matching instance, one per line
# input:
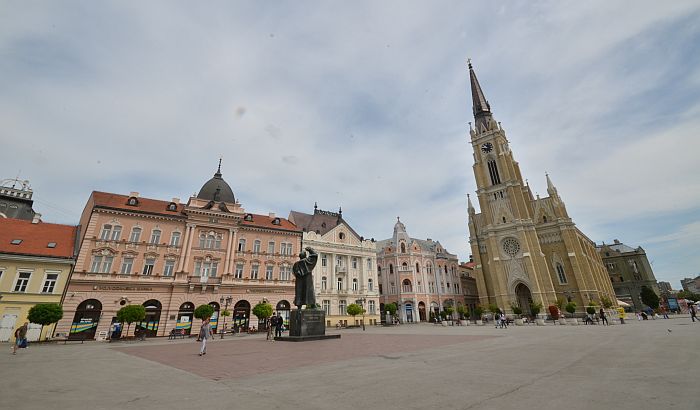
<point x="488" y="147"/>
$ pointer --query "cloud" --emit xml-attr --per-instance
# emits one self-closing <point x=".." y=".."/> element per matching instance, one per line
<point x="363" y="106"/>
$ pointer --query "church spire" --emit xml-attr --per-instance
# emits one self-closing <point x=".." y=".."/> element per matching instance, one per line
<point x="551" y="189"/>
<point x="470" y="207"/>
<point x="480" y="106"/>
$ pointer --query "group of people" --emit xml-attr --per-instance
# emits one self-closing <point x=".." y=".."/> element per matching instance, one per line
<point x="206" y="333"/>
<point x="501" y="320"/>
<point x="276" y="322"/>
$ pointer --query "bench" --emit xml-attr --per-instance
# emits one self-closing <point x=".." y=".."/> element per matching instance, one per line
<point x="175" y="333"/>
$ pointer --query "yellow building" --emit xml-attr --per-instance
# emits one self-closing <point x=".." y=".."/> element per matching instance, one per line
<point x="36" y="260"/>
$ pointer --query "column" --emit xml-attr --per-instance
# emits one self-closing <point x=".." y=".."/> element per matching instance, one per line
<point x="229" y="249"/>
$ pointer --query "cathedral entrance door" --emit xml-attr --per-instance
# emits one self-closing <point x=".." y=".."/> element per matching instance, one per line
<point x="524" y="297"/>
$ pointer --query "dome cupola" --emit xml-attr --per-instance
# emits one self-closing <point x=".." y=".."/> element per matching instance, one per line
<point x="216" y="189"/>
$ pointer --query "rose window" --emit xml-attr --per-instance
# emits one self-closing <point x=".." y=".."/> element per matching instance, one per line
<point x="511" y="246"/>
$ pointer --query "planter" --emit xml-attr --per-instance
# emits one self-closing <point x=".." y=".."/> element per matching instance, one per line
<point x="539" y="322"/>
<point x="479" y="322"/>
<point x="572" y="321"/>
<point x="562" y="321"/>
<point x="463" y="322"/>
<point x="518" y="322"/>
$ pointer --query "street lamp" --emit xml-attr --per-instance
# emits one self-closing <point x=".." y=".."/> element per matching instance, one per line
<point x="225" y="301"/>
<point x="361" y="302"/>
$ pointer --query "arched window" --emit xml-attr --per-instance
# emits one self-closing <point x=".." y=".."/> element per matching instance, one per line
<point x="493" y="173"/>
<point x="391" y="268"/>
<point x="256" y="246"/>
<point x="354" y="284"/>
<point x="175" y="239"/>
<point x="403" y="247"/>
<point x="544" y="218"/>
<point x="379" y="270"/>
<point x="106" y="232"/>
<point x="504" y="219"/>
<point x="340" y="283"/>
<point x="417" y="268"/>
<point x="404" y="266"/>
<point x="155" y="236"/>
<point x="406" y="286"/>
<point x="561" y="274"/>
<point x="324" y="283"/>
<point x="135" y="234"/>
<point x="370" y="285"/>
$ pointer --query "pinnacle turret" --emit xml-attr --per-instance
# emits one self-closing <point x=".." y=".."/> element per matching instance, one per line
<point x="480" y="106"/>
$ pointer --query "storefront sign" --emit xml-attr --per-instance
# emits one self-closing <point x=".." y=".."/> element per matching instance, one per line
<point x="131" y="288"/>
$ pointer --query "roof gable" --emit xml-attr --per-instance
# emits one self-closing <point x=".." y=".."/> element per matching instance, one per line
<point x="22" y="237"/>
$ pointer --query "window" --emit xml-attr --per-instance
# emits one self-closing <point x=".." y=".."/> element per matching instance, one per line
<point x="354" y="284"/>
<point x="254" y="271"/>
<point x="239" y="271"/>
<point x="340" y="283"/>
<point x="403" y="247"/>
<point x="202" y="240"/>
<point x="380" y="289"/>
<point x="49" y="283"/>
<point x="391" y="269"/>
<point x="106" y="232"/>
<point x="417" y="268"/>
<point x="256" y="246"/>
<point x="392" y="289"/>
<point x="493" y="172"/>
<point x="175" y="239"/>
<point x="209" y="269"/>
<point x="406" y="285"/>
<point x="372" y="307"/>
<point x="241" y="245"/>
<point x="16" y="241"/>
<point x="370" y="285"/>
<point x="341" y="236"/>
<point x="271" y="247"/>
<point x="342" y="307"/>
<point x="354" y="262"/>
<point x="22" y="281"/>
<point x="369" y="264"/>
<point x="324" y="283"/>
<point x="283" y="248"/>
<point x="135" y="234"/>
<point x="209" y="241"/>
<point x="217" y="242"/>
<point x="155" y="236"/>
<point x="338" y="260"/>
<point x="148" y="266"/>
<point x="561" y="274"/>
<point x="101" y="264"/>
<point x="133" y="201"/>
<point x="269" y="271"/>
<point x="169" y="268"/>
<point x="324" y="260"/>
<point x="172" y="206"/>
<point x="127" y="264"/>
<point x="285" y="272"/>
<point x="327" y="306"/>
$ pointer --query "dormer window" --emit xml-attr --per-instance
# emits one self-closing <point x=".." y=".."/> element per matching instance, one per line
<point x="172" y="206"/>
<point x="133" y="201"/>
<point x="276" y="221"/>
<point x="51" y="245"/>
<point x="248" y="217"/>
<point x="16" y="241"/>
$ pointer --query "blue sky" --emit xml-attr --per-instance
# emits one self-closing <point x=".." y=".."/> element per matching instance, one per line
<point x="364" y="106"/>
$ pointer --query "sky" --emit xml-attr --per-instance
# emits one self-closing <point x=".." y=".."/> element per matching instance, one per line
<point x="364" y="106"/>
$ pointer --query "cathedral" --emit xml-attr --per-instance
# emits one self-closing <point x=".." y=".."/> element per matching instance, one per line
<point x="526" y="249"/>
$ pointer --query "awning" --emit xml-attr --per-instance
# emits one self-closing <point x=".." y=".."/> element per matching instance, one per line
<point x="623" y="304"/>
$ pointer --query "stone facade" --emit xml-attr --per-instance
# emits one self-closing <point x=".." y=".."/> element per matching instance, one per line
<point x="691" y="284"/>
<point x="470" y="291"/>
<point x="16" y="200"/>
<point x="526" y="249"/>
<point x="171" y="257"/>
<point x="629" y="270"/>
<point x="421" y="276"/>
<point x="345" y="272"/>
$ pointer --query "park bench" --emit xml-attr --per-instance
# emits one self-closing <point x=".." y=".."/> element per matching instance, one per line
<point x="175" y="333"/>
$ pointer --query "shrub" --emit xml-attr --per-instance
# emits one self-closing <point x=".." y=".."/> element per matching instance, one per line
<point x="203" y="312"/>
<point x="535" y="308"/>
<point x="462" y="310"/>
<point x="391" y="308"/>
<point x="649" y="297"/>
<point x="517" y="310"/>
<point x="607" y="303"/>
<point x="554" y="312"/>
<point x="449" y="310"/>
<point x="478" y="311"/>
<point x="354" y="309"/>
<point x="571" y="308"/>
<point x="262" y="310"/>
<point x="45" y="314"/>
<point x="560" y="303"/>
<point x="130" y="314"/>
<point x="493" y="308"/>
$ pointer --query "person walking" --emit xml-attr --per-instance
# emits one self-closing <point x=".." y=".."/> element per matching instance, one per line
<point x="497" y="319"/>
<point x="603" y="318"/>
<point x="693" y="312"/>
<point x="205" y="334"/>
<point x="20" y="337"/>
<point x="270" y="323"/>
<point x="278" y="325"/>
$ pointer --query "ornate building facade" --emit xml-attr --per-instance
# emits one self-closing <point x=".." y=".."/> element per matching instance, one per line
<point x="16" y="200"/>
<point x="629" y="270"/>
<point x="526" y="249"/>
<point x="420" y="276"/>
<point x="470" y="292"/>
<point x="345" y="272"/>
<point x="171" y="257"/>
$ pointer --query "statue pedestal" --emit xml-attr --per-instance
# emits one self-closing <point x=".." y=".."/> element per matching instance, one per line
<point x="305" y="325"/>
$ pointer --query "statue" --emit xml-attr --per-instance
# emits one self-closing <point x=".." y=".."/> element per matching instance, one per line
<point x="304" y="281"/>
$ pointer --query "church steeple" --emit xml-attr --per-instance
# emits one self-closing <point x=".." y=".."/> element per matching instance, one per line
<point x="470" y="207"/>
<point x="551" y="189"/>
<point x="480" y="106"/>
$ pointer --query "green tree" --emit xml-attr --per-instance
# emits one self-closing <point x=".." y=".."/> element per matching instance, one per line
<point x="478" y="311"/>
<point x="391" y="308"/>
<point x="571" y="308"/>
<point x="130" y="314"/>
<point x="606" y="302"/>
<point x="463" y="311"/>
<point x="560" y="303"/>
<point x="225" y="312"/>
<point x="45" y="314"/>
<point x="493" y="308"/>
<point x="262" y="310"/>
<point x="535" y="308"/>
<point x="684" y="294"/>
<point x="354" y="309"/>
<point x="203" y="312"/>
<point x="449" y="310"/>
<point x="649" y="297"/>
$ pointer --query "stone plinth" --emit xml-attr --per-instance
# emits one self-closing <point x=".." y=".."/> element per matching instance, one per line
<point x="305" y="325"/>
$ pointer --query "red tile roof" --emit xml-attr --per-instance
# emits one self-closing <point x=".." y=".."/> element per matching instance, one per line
<point x="468" y="265"/>
<point x="265" y="221"/>
<point x="116" y="201"/>
<point x="36" y="237"/>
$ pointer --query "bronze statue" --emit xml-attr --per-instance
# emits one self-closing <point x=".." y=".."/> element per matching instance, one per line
<point x="304" y="281"/>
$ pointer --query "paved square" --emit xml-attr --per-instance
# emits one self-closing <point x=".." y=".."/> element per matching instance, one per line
<point x="640" y="365"/>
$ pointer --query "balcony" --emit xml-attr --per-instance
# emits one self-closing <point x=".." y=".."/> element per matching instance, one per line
<point x="341" y="269"/>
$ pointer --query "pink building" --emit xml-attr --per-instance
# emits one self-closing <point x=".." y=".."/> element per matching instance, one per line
<point x="420" y="276"/>
<point x="172" y="257"/>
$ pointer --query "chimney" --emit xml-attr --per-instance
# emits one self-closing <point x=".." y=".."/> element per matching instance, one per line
<point x="134" y="194"/>
<point x="429" y="240"/>
<point x="616" y="242"/>
<point x="37" y="218"/>
<point x="176" y="200"/>
<point x="272" y="214"/>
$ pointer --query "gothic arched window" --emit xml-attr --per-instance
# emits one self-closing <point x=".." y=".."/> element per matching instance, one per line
<point x="561" y="274"/>
<point x="493" y="172"/>
<point x="403" y="247"/>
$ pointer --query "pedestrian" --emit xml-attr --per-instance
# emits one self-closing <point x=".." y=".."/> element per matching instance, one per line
<point x="497" y="319"/>
<point x="205" y="334"/>
<point x="693" y="313"/>
<point x="270" y="323"/>
<point x="20" y="337"/>
<point x="602" y="317"/>
<point x="279" y="324"/>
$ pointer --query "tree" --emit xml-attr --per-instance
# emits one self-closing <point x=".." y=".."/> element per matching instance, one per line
<point x="391" y="308"/>
<point x="571" y="308"/>
<point x="606" y="302"/>
<point x="684" y="294"/>
<point x="130" y="314"/>
<point x="449" y="310"/>
<point x="203" y="312"/>
<point x="225" y="312"/>
<point x="649" y="297"/>
<point x="45" y="314"/>
<point x="559" y="303"/>
<point x="493" y="308"/>
<point x="478" y="311"/>
<point x="354" y="309"/>
<point x="462" y="310"/>
<point x="262" y="310"/>
<point x="535" y="308"/>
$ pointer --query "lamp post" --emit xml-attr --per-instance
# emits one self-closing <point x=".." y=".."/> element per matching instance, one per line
<point x="361" y="302"/>
<point x="225" y="301"/>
